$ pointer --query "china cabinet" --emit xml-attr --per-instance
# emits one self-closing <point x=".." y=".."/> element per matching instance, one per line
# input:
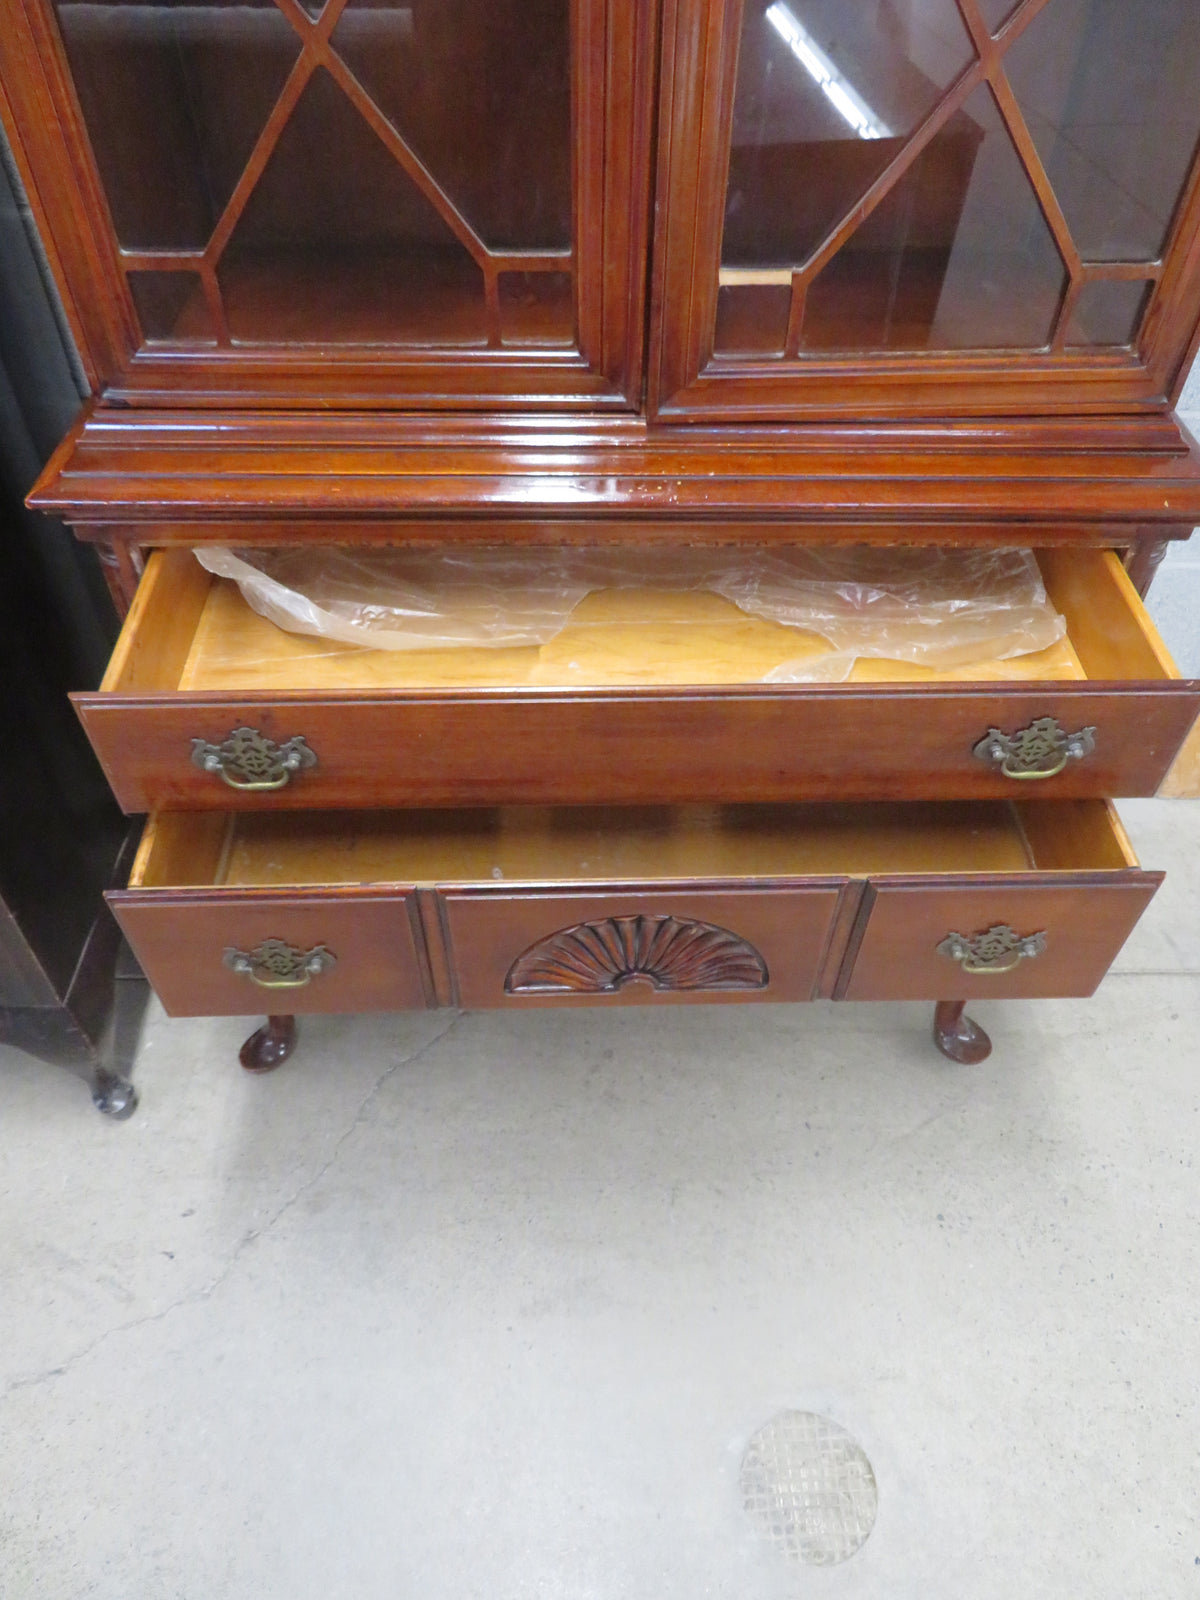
<point x="731" y="274"/>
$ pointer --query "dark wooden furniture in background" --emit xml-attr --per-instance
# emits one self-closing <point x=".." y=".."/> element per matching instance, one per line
<point x="727" y="272"/>
<point x="68" y="992"/>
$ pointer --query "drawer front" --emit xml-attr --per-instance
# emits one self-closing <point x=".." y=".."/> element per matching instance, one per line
<point x="647" y="946"/>
<point x="991" y="937"/>
<point x="231" y="953"/>
<point x="187" y="752"/>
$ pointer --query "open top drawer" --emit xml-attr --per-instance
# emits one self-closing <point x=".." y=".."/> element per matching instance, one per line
<point x="206" y="704"/>
<point x="528" y="906"/>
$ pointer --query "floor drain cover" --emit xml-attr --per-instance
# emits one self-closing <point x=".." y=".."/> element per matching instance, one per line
<point x="807" y="1485"/>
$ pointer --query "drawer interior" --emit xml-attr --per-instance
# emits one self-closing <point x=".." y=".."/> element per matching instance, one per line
<point x="191" y="632"/>
<point x="578" y="845"/>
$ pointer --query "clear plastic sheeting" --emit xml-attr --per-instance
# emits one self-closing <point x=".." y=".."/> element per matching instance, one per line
<point x="620" y="615"/>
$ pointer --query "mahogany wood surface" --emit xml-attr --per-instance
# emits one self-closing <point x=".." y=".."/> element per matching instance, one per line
<point x="1144" y="562"/>
<point x="269" y="1046"/>
<point x="196" y="475"/>
<point x="484" y="744"/>
<point x="684" y="931"/>
<point x="634" y="746"/>
<point x="614" y="47"/>
<point x="180" y="937"/>
<point x="1086" y="918"/>
<point x="636" y="432"/>
<point x="957" y="1036"/>
<point x="789" y="926"/>
<point x="700" y="60"/>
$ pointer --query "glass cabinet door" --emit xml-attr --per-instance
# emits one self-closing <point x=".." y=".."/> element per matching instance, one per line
<point x="953" y="202"/>
<point x="406" y="194"/>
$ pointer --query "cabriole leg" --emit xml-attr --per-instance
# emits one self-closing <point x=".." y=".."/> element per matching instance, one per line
<point x="957" y="1036"/>
<point x="270" y="1046"/>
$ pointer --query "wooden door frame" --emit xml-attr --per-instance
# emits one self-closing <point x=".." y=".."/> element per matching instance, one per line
<point x="614" y="52"/>
<point x="686" y="383"/>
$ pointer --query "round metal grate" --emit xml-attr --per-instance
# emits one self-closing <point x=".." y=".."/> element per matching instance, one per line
<point x="808" y="1486"/>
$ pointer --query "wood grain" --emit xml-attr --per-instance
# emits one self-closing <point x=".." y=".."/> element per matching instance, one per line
<point x="180" y="937"/>
<point x="441" y="907"/>
<point x="612" y="74"/>
<point x="788" y="926"/>
<point x="1086" y="918"/>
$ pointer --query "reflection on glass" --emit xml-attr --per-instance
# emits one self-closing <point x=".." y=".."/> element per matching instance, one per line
<point x="174" y="97"/>
<point x="827" y="92"/>
<point x="958" y="255"/>
<point x="997" y="12"/>
<point x="1109" y="89"/>
<point x="171" y="306"/>
<point x="338" y="244"/>
<point x="481" y="91"/>
<point x="1108" y="313"/>
<point x="837" y="89"/>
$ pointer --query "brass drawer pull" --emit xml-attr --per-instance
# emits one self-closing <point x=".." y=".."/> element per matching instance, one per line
<point x="275" y="964"/>
<point x="1039" y="751"/>
<point x="998" y="950"/>
<point x="247" y="760"/>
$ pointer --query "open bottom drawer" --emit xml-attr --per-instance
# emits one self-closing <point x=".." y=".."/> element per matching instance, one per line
<point x="532" y="906"/>
<point x="208" y="705"/>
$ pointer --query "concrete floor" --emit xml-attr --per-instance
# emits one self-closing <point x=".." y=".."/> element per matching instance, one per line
<point x="489" y="1306"/>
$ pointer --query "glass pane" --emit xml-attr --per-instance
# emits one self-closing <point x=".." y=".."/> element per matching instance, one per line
<point x="480" y="90"/>
<point x="171" y="305"/>
<point x="752" y="319"/>
<point x="997" y="12"/>
<point x="958" y="256"/>
<point x="1109" y="89"/>
<point x="537" y="308"/>
<point x="827" y="92"/>
<point x="1108" y="313"/>
<point x="174" y="97"/>
<point x="336" y="244"/>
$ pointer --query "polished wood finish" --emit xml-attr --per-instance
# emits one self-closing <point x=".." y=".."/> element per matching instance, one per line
<point x="700" y="60"/>
<point x="1144" y="561"/>
<point x="625" y="747"/>
<point x="957" y="1036"/>
<point x="532" y="907"/>
<point x="1085" y="917"/>
<point x="269" y="1046"/>
<point x="636" y="744"/>
<point x="613" y="53"/>
<point x="634" y="428"/>
<point x="195" y="476"/>
<point x="488" y="930"/>
<point x="180" y="938"/>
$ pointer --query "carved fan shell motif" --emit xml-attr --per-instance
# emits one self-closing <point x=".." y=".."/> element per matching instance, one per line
<point x="672" y="953"/>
